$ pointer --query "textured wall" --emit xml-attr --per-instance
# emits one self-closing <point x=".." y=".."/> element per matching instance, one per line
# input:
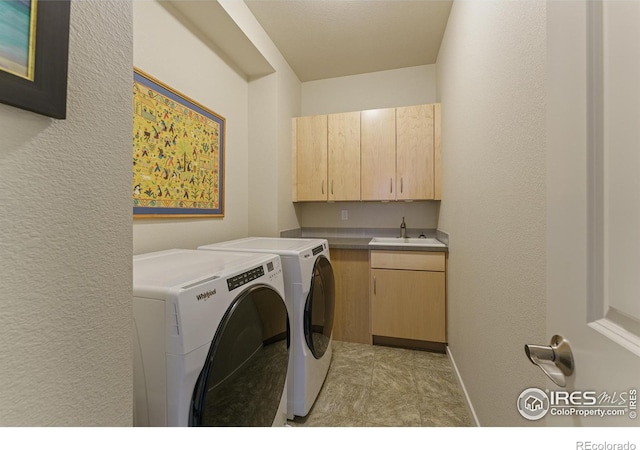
<point x="491" y="75"/>
<point x="65" y="238"/>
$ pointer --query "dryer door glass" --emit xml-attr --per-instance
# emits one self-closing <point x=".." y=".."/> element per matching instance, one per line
<point x="318" y="309"/>
<point x="243" y="379"/>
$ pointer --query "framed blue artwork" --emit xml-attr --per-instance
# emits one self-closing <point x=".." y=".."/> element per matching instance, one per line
<point x="34" y="46"/>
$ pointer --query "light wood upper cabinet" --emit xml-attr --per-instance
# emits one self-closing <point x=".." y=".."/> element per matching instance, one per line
<point x="344" y="156"/>
<point x="326" y="151"/>
<point x="437" y="153"/>
<point x="381" y="154"/>
<point x="310" y="158"/>
<point x="399" y="153"/>
<point x="414" y="152"/>
<point x="378" y="154"/>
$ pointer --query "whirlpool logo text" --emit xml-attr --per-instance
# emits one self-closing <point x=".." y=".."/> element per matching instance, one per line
<point x="205" y="295"/>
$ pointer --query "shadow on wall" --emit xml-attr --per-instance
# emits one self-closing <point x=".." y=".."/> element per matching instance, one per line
<point x="419" y="214"/>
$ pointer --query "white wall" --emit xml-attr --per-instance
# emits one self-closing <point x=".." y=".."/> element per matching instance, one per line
<point x="422" y="215"/>
<point x="65" y="238"/>
<point x="258" y="125"/>
<point x="289" y="100"/>
<point x="491" y="75"/>
<point x="386" y="89"/>
<point x="273" y="101"/>
<point x="167" y="50"/>
<point x="263" y="166"/>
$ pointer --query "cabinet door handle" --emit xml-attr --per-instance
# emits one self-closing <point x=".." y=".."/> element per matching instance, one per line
<point x="391" y="185"/>
<point x="401" y="185"/>
<point x="331" y="187"/>
<point x="374" y="286"/>
<point x="323" y="187"/>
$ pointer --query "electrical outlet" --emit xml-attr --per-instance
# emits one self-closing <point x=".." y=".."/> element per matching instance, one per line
<point x="345" y="214"/>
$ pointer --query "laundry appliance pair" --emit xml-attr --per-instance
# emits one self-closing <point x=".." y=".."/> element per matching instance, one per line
<point x="310" y="296"/>
<point x="217" y="340"/>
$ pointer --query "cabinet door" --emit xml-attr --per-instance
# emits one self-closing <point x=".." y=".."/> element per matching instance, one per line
<point x="378" y="154"/>
<point x="415" y="152"/>
<point x="311" y="158"/>
<point x="437" y="151"/>
<point x="344" y="156"/>
<point x="351" y="318"/>
<point x="408" y="304"/>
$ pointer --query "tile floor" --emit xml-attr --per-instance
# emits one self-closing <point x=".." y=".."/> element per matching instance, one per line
<point x="376" y="386"/>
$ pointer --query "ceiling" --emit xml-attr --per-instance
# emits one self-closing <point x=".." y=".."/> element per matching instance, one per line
<point x="333" y="38"/>
<point x="323" y="38"/>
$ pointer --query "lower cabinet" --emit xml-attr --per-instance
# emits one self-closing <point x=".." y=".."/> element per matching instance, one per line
<point x="408" y="295"/>
<point x="351" y="317"/>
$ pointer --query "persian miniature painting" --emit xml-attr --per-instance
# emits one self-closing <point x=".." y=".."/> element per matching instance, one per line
<point x="178" y="153"/>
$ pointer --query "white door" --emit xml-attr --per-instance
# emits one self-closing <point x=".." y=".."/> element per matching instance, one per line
<point x="593" y="208"/>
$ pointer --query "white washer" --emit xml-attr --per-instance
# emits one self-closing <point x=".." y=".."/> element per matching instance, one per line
<point x="211" y="339"/>
<point x="310" y="296"/>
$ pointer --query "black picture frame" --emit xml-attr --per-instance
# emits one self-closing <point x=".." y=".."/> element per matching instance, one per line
<point x="47" y="93"/>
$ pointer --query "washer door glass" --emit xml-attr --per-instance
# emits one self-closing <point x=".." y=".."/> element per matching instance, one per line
<point x="319" y="307"/>
<point x="244" y="376"/>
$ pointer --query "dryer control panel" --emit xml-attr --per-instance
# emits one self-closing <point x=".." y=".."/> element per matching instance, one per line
<point x="243" y="278"/>
<point x="318" y="249"/>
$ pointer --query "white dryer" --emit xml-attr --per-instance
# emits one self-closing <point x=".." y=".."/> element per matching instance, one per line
<point x="310" y="297"/>
<point x="211" y="339"/>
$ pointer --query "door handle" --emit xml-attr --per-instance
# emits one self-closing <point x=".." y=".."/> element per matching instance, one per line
<point x="555" y="360"/>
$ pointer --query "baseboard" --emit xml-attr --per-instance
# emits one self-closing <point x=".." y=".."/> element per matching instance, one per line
<point x="469" y="405"/>
<point x="410" y="344"/>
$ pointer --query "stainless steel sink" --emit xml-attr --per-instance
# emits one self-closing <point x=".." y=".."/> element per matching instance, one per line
<point x="406" y="242"/>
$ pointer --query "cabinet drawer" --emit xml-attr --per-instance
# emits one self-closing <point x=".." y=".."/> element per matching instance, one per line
<point x="408" y="260"/>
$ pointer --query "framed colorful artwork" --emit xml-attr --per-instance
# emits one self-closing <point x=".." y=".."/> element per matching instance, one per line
<point x="34" y="47"/>
<point x="178" y="153"/>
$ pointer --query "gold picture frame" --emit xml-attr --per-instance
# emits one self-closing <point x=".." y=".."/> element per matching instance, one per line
<point x="178" y="153"/>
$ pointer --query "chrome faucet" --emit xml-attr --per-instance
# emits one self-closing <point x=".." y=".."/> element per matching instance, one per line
<point x="403" y="229"/>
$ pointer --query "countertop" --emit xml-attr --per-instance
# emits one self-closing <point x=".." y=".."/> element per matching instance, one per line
<point x="363" y="244"/>
<point x="359" y="238"/>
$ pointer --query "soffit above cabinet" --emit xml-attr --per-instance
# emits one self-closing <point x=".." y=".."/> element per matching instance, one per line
<point x="209" y="21"/>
